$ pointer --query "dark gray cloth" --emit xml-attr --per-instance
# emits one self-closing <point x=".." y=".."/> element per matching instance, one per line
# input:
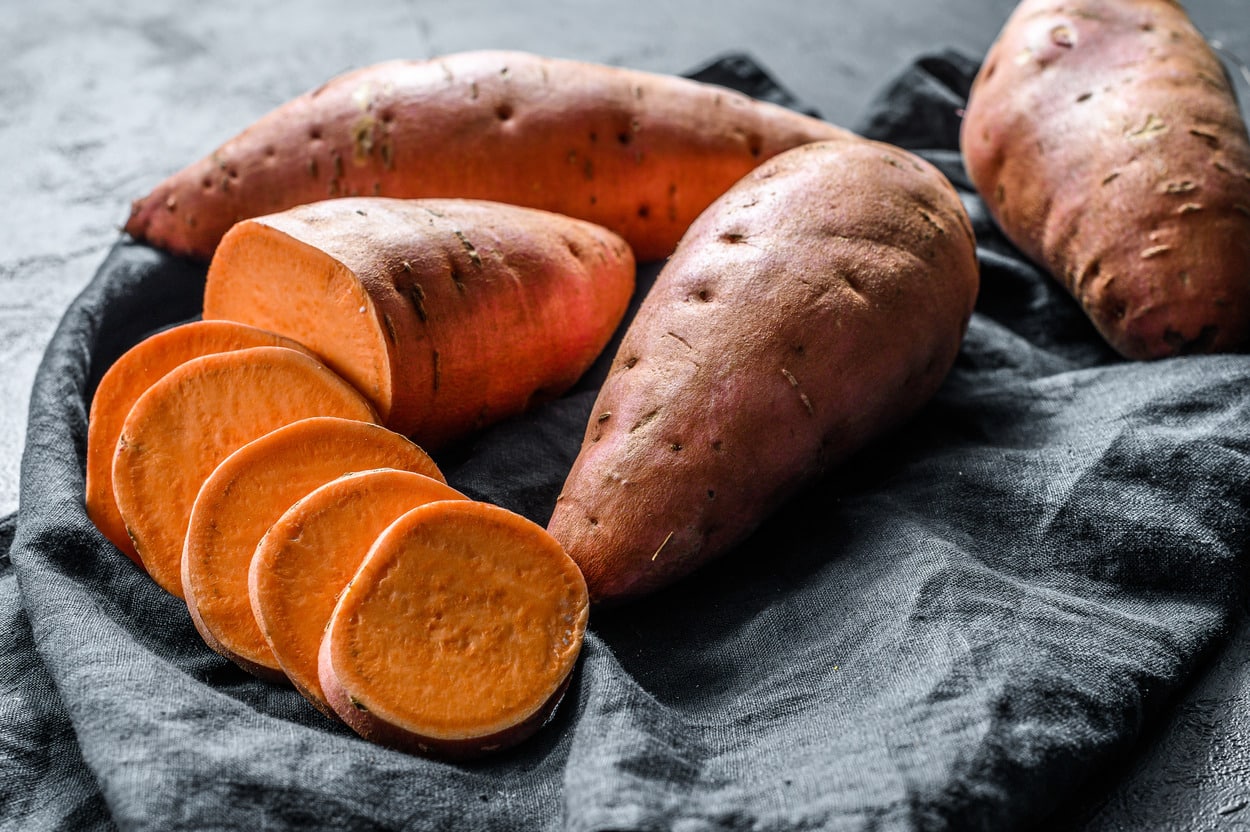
<point x="966" y="627"/>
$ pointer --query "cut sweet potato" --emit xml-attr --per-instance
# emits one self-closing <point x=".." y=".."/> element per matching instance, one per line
<point x="818" y="303"/>
<point x="458" y="634"/>
<point x="1106" y="141"/>
<point x="127" y="379"/>
<point x="194" y="417"/>
<point x="637" y="152"/>
<point x="447" y="314"/>
<point x="307" y="557"/>
<point x="246" y="494"/>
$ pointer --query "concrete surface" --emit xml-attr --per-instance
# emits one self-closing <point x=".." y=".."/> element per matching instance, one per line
<point x="99" y="100"/>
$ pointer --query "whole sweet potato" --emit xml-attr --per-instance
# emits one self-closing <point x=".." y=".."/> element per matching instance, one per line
<point x="816" y="304"/>
<point x="638" y="152"/>
<point x="1106" y="142"/>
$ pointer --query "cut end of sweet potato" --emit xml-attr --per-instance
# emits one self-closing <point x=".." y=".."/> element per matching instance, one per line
<point x="458" y="634"/>
<point x="307" y="557"/>
<point x="126" y="380"/>
<point x="193" y="418"/>
<point x="268" y="278"/>
<point x="246" y="494"/>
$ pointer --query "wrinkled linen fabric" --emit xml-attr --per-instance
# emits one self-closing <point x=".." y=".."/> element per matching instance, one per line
<point x="965" y="627"/>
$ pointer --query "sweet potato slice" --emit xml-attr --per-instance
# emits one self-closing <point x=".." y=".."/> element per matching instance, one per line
<point x="127" y="379"/>
<point x="194" y="417"/>
<point x="637" y="152"/>
<point x="458" y="634"/>
<point x="447" y="314"/>
<point x="817" y="304"/>
<point x="307" y="557"/>
<point x="242" y="498"/>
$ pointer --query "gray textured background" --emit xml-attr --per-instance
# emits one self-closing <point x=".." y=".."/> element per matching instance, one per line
<point x="100" y="100"/>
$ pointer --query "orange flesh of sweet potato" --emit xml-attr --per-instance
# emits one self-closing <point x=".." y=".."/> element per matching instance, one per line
<point x="307" y="557"/>
<point x="818" y="303"/>
<point x="1107" y="143"/>
<point x="637" y="152"/>
<point x="197" y="415"/>
<point x="133" y="373"/>
<point x="246" y="494"/>
<point x="447" y="314"/>
<point x="458" y="633"/>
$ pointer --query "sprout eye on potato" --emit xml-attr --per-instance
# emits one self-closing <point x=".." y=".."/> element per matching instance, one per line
<point x="1107" y="143"/>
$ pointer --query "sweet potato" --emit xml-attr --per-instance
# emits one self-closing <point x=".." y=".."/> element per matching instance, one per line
<point x="307" y="557"/>
<point x="638" y="152"/>
<point x="817" y="304"/>
<point x="1106" y="142"/>
<point x="245" y="494"/>
<point x="458" y="634"/>
<point x="194" y="417"/>
<point x="447" y="314"/>
<point x="133" y="373"/>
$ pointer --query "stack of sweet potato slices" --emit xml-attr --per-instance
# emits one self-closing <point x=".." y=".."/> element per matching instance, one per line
<point x="259" y="475"/>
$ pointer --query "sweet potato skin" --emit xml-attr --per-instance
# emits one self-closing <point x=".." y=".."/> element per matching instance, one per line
<point x="818" y="303"/>
<point x="1106" y="142"/>
<point x="638" y="152"/>
<point x="477" y="310"/>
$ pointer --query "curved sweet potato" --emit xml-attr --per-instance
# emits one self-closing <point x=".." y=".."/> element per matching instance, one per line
<point x="307" y="557"/>
<point x="245" y="494"/>
<point x="816" y="304"/>
<point x="637" y="152"/>
<point x="194" y="417"/>
<point x="1106" y="142"/>
<point x="447" y="314"/>
<point x="127" y="379"/>
<point x="458" y="634"/>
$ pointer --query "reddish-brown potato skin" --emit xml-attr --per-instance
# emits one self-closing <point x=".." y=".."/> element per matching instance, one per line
<point x="816" y="304"/>
<point x="638" y="152"/>
<point x="1106" y="142"/>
